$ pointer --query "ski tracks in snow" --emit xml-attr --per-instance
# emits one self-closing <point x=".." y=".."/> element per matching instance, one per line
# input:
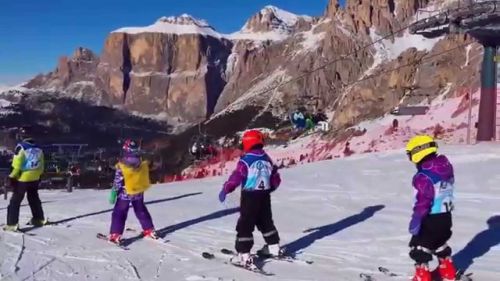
<point x="134" y="269"/>
<point x="20" y="255"/>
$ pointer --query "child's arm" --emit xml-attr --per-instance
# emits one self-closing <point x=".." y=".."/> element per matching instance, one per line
<point x="275" y="178"/>
<point x="423" y="203"/>
<point x="236" y="178"/>
<point x="119" y="182"/>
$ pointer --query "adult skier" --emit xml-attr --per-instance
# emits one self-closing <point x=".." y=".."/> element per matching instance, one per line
<point x="258" y="177"/>
<point x="27" y="168"/>
<point x="431" y="221"/>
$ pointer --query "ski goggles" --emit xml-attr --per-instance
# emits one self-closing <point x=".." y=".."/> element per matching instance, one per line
<point x="420" y="148"/>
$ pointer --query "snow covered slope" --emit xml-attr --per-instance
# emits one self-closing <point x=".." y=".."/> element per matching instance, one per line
<point x="349" y="216"/>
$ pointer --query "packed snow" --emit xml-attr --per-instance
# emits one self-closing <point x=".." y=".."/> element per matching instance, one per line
<point x="311" y="40"/>
<point x="349" y="216"/>
<point x="388" y="49"/>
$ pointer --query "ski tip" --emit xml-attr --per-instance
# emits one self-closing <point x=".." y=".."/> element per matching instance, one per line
<point x="207" y="255"/>
<point x="227" y="251"/>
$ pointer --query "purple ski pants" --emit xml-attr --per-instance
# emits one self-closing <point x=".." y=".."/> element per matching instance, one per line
<point x="120" y="213"/>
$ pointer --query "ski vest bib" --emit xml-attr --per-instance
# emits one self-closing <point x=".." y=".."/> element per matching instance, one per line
<point x="259" y="172"/>
<point x="443" y="193"/>
<point x="136" y="179"/>
<point x="33" y="159"/>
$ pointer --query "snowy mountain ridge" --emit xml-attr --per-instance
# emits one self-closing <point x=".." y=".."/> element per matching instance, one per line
<point x="184" y="24"/>
<point x="281" y="24"/>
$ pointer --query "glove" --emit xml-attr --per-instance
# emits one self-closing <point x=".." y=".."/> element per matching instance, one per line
<point x="275" y="169"/>
<point x="222" y="196"/>
<point x="112" y="196"/>
<point x="12" y="182"/>
<point x="414" y="227"/>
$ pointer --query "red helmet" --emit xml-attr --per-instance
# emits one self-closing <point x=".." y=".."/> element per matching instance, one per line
<point x="252" y="138"/>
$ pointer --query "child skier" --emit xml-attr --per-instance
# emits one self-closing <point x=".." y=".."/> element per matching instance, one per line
<point x="258" y="177"/>
<point x="431" y="221"/>
<point x="131" y="180"/>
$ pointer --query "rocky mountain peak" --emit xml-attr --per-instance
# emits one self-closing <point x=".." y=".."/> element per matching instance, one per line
<point x="272" y="18"/>
<point x="83" y="54"/>
<point x="183" y="24"/>
<point x="184" y="19"/>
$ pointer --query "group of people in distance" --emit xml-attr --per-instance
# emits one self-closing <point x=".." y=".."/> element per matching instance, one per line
<point x="305" y="121"/>
<point x="257" y="175"/>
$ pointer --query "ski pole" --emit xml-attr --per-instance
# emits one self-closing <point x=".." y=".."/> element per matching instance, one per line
<point x="4" y="189"/>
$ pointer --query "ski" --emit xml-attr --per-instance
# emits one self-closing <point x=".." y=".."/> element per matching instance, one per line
<point x="284" y="257"/>
<point x="387" y="272"/>
<point x="259" y="270"/>
<point x="256" y="269"/>
<point x="460" y="276"/>
<point x="366" y="277"/>
<point x="18" y="231"/>
<point x="158" y="240"/>
<point x="260" y="256"/>
<point x="105" y="238"/>
<point x="48" y="223"/>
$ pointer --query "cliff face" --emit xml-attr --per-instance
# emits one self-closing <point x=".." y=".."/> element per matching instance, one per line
<point x="178" y="76"/>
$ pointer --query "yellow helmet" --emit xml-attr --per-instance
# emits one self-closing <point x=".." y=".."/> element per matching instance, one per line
<point x="419" y="147"/>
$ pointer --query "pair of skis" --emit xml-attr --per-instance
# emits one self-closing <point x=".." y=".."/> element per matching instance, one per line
<point x="124" y="247"/>
<point x="259" y="259"/>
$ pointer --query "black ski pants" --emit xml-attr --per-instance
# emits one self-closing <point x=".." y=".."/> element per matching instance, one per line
<point x="255" y="210"/>
<point x="19" y="189"/>
<point x="432" y="239"/>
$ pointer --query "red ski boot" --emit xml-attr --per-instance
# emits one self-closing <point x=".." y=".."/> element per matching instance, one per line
<point x="447" y="269"/>
<point x="422" y="273"/>
<point x="150" y="233"/>
<point x="115" y="238"/>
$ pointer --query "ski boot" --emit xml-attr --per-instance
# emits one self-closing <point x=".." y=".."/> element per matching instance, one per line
<point x="115" y="238"/>
<point x="422" y="273"/>
<point x="273" y="251"/>
<point x="243" y="260"/>
<point x="11" y="228"/>
<point x="37" y="222"/>
<point x="151" y="234"/>
<point x="447" y="269"/>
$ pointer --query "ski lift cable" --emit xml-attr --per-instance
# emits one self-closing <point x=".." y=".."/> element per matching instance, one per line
<point x="416" y="62"/>
<point x="338" y="59"/>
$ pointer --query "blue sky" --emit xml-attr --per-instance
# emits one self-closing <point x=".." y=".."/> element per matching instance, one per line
<point x="35" y="33"/>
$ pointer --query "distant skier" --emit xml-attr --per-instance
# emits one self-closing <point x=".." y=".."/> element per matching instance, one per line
<point x="258" y="177"/>
<point x="27" y="168"/>
<point x="298" y="120"/>
<point x="131" y="180"/>
<point x="431" y="221"/>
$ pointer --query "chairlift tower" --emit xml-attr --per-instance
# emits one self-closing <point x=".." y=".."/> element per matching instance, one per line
<point x="481" y="20"/>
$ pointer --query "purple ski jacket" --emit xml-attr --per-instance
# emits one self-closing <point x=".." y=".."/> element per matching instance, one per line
<point x="239" y="175"/>
<point x="425" y="189"/>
